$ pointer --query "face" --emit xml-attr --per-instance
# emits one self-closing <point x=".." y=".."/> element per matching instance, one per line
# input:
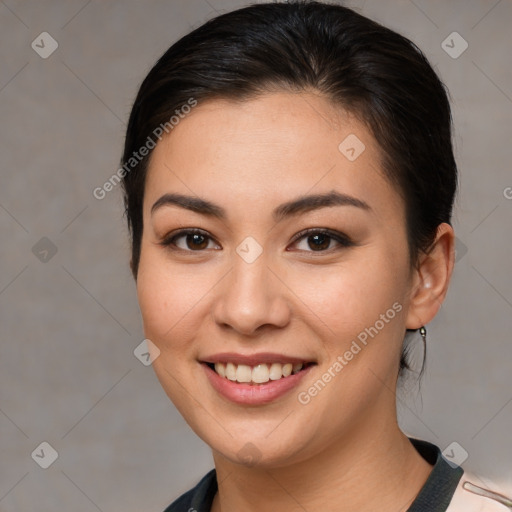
<point x="273" y="244"/>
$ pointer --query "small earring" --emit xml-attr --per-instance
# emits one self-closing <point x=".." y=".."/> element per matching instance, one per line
<point x="423" y="332"/>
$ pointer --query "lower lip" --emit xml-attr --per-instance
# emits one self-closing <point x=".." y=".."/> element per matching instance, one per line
<point x="257" y="394"/>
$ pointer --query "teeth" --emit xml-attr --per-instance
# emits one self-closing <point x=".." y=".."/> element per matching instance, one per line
<point x="230" y="371"/>
<point x="243" y="373"/>
<point x="220" y="369"/>
<point x="297" y="367"/>
<point x="276" y="371"/>
<point x="258" y="374"/>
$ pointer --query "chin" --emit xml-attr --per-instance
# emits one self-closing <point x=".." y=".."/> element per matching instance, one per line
<point x="246" y="448"/>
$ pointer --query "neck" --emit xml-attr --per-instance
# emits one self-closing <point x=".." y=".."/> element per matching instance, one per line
<point x="364" y="472"/>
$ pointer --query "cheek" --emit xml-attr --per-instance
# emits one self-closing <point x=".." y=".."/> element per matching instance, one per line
<point x="167" y="297"/>
<point x="350" y="297"/>
<point x="168" y="301"/>
<point x="361" y="318"/>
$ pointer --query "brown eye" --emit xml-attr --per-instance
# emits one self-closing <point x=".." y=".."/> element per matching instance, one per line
<point x="196" y="241"/>
<point x="187" y="240"/>
<point x="321" y="240"/>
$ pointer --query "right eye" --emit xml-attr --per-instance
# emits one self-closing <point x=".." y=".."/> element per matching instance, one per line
<point x="194" y="240"/>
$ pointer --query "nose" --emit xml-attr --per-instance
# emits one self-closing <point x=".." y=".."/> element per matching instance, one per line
<point x="252" y="298"/>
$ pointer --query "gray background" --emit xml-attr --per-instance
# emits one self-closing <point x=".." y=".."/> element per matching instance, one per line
<point x="70" y="321"/>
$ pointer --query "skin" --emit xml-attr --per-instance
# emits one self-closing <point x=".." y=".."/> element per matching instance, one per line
<point x="249" y="157"/>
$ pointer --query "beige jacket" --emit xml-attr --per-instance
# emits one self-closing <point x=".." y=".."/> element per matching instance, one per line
<point x="471" y="495"/>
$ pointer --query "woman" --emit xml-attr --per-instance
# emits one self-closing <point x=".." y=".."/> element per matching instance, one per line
<point x="289" y="181"/>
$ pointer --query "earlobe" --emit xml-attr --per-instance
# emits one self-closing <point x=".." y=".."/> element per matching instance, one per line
<point x="431" y="279"/>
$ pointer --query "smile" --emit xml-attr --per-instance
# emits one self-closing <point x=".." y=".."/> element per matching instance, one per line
<point x="260" y="373"/>
<point x="256" y="379"/>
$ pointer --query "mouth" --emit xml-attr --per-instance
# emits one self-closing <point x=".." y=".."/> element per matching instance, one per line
<point x="257" y="379"/>
<point x="258" y="374"/>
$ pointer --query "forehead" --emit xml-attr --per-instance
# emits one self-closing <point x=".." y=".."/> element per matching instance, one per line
<point x="269" y="149"/>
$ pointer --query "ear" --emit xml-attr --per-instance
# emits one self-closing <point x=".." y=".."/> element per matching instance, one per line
<point x="431" y="278"/>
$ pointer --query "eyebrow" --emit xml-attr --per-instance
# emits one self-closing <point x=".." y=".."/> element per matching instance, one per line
<point x="291" y="208"/>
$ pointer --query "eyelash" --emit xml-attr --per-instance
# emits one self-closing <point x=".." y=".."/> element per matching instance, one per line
<point x="343" y="240"/>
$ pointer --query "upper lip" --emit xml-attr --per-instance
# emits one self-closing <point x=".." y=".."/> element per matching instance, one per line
<point x="253" y="359"/>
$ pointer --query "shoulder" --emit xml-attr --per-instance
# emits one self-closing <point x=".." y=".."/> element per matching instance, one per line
<point x="197" y="499"/>
<point x="473" y="495"/>
<point x="449" y="488"/>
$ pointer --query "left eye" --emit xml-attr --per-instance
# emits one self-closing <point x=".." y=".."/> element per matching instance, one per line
<point x="321" y="240"/>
